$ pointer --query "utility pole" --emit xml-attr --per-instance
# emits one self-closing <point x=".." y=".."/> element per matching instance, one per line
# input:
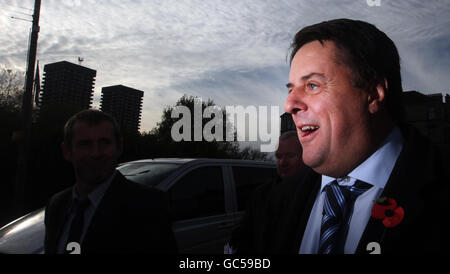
<point x="24" y="144"/>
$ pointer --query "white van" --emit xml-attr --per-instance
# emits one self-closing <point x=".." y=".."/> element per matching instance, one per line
<point x="207" y="197"/>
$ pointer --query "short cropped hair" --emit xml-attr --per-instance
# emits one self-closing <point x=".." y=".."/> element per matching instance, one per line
<point x="369" y="53"/>
<point x="91" y="117"/>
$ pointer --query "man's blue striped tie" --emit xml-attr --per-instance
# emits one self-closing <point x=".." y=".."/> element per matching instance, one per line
<point x="337" y="208"/>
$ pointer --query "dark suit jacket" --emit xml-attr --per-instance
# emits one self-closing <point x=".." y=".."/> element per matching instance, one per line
<point x="261" y="218"/>
<point x="419" y="183"/>
<point x="130" y="218"/>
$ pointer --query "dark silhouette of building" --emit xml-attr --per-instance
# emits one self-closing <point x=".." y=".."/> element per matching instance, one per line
<point x="124" y="104"/>
<point x="67" y="87"/>
<point x="430" y="114"/>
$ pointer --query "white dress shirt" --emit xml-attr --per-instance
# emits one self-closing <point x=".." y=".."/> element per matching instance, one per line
<point x="95" y="198"/>
<point x="375" y="170"/>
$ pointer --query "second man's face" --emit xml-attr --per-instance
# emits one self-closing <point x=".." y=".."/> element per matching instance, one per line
<point x="289" y="157"/>
<point x="330" y="114"/>
<point x="94" y="152"/>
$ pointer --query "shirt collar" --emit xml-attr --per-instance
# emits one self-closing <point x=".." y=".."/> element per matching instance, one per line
<point x="97" y="194"/>
<point x="376" y="169"/>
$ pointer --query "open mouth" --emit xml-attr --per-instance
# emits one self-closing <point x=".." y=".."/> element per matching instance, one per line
<point x="307" y="130"/>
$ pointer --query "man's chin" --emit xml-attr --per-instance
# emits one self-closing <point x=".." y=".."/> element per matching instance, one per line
<point x="93" y="174"/>
<point x="97" y="179"/>
<point x="311" y="159"/>
<point x="286" y="174"/>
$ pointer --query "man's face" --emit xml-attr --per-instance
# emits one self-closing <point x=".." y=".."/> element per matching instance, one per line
<point x="289" y="158"/>
<point x="94" y="152"/>
<point x="330" y="114"/>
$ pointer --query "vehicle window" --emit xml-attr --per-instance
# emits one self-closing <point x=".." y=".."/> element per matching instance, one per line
<point x="246" y="179"/>
<point x="199" y="193"/>
<point x="149" y="174"/>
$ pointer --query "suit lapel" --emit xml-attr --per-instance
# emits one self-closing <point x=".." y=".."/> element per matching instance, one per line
<point x="61" y="217"/>
<point x="375" y="228"/>
<point x="107" y="212"/>
<point x="404" y="186"/>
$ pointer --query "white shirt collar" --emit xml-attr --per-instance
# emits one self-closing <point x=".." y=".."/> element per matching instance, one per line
<point x="376" y="169"/>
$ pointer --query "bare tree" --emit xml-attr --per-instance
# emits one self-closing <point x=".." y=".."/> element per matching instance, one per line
<point x="11" y="88"/>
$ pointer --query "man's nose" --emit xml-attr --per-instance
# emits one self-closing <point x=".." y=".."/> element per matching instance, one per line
<point x="294" y="102"/>
<point x="96" y="150"/>
<point x="283" y="160"/>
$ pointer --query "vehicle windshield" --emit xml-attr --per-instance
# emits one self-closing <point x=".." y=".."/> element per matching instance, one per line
<point x="150" y="174"/>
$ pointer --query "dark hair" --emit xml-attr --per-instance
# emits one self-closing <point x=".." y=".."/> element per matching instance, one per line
<point x="91" y="117"/>
<point x="370" y="54"/>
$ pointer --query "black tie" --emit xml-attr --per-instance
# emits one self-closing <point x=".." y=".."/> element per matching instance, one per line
<point x="76" y="228"/>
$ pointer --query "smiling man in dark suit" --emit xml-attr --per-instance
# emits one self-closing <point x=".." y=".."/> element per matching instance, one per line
<point x="345" y="99"/>
<point x="104" y="212"/>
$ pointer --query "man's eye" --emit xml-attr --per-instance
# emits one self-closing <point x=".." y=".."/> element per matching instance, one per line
<point x="312" y="86"/>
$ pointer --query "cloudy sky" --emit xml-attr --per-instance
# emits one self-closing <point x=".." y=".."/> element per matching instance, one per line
<point x="234" y="51"/>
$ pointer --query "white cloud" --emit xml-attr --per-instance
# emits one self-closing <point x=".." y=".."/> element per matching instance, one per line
<point x="230" y="51"/>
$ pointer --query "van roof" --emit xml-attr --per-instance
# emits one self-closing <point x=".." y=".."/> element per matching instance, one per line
<point x="200" y="160"/>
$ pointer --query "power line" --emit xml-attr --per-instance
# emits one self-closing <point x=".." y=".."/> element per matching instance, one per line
<point x="12" y="12"/>
<point x="15" y="11"/>
<point x="11" y="6"/>
<point x="17" y="18"/>
<point x="23" y="13"/>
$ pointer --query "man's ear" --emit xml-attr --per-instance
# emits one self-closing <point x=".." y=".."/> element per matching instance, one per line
<point x="377" y="97"/>
<point x="67" y="152"/>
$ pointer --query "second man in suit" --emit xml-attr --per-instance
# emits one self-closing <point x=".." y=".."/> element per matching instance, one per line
<point x="104" y="212"/>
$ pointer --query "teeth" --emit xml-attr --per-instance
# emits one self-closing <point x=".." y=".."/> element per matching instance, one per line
<point x="309" y="128"/>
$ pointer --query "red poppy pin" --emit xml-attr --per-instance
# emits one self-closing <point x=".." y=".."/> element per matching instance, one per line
<point x="386" y="209"/>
